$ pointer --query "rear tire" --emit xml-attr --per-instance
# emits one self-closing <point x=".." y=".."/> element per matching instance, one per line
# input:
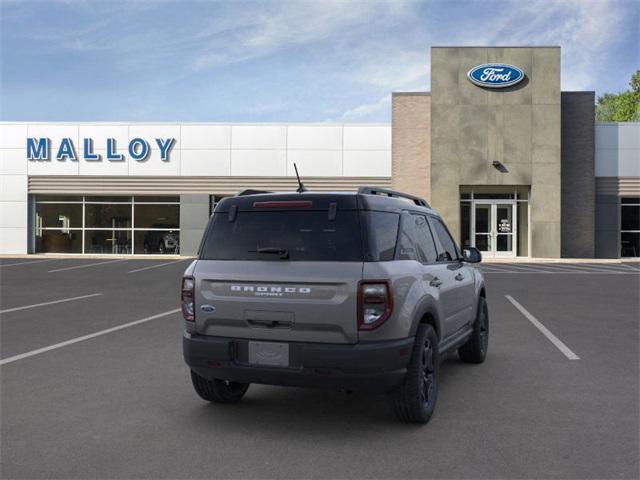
<point x="414" y="401"/>
<point x="475" y="349"/>
<point x="218" y="391"/>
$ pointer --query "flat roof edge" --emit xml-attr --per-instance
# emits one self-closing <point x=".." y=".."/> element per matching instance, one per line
<point x="495" y="46"/>
<point x="400" y="94"/>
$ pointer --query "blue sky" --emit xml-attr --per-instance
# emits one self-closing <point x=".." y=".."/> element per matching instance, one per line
<point x="276" y="61"/>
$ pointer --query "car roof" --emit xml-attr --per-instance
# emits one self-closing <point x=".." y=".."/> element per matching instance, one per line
<point x="323" y="200"/>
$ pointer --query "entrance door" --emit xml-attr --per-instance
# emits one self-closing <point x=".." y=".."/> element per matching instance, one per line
<point x="494" y="229"/>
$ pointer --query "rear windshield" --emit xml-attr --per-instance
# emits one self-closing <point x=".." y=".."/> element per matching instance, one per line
<point x="284" y="235"/>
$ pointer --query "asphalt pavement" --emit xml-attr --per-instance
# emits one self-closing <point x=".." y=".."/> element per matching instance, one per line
<point x="93" y="385"/>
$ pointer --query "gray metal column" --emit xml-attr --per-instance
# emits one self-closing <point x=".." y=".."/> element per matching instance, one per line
<point x="194" y="214"/>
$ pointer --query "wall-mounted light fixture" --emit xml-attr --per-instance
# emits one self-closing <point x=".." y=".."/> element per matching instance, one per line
<point x="500" y="167"/>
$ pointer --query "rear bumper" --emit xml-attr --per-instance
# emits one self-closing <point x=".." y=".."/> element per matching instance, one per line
<point x="371" y="367"/>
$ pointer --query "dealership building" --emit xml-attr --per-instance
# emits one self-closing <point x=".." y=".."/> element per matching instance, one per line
<point x="517" y="167"/>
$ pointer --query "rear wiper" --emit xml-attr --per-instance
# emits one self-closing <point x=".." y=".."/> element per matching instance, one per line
<point x="283" y="252"/>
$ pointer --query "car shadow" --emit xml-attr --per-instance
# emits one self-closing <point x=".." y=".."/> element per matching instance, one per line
<point x="316" y="412"/>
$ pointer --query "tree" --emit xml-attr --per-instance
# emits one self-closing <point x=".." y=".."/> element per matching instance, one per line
<point x="621" y="107"/>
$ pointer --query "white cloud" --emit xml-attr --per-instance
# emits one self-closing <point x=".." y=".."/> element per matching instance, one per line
<point x="367" y="109"/>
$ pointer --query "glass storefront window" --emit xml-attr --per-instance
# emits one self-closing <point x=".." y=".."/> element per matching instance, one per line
<point x="157" y="216"/>
<point x="630" y="217"/>
<point x="155" y="199"/>
<point x="465" y="224"/>
<point x="157" y="242"/>
<point x="58" y="241"/>
<point x="105" y="215"/>
<point x="107" y="241"/>
<point x="59" y="215"/>
<point x="147" y="224"/>
<point x="107" y="199"/>
<point x="630" y="244"/>
<point x="630" y="227"/>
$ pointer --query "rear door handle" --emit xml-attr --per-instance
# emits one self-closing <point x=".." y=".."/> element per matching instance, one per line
<point x="435" y="282"/>
<point x="459" y="277"/>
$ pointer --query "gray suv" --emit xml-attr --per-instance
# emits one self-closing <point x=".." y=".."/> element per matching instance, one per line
<point x="358" y="291"/>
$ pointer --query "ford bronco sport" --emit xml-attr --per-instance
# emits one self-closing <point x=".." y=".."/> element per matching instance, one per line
<point x="354" y="291"/>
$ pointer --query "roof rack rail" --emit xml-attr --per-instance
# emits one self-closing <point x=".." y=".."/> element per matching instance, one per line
<point x="392" y="193"/>
<point x="250" y="191"/>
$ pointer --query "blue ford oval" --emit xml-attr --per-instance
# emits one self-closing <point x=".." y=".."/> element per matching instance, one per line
<point x="495" y="75"/>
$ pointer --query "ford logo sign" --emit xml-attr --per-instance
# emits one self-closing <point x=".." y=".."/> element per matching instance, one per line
<point x="208" y="308"/>
<point x="495" y="75"/>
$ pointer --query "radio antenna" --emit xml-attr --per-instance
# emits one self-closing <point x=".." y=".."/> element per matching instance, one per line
<point x="301" y="187"/>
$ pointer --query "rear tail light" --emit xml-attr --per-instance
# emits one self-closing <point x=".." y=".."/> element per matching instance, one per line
<point x="375" y="303"/>
<point x="186" y="298"/>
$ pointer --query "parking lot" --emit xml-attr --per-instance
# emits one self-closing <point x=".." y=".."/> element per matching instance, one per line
<point x="94" y="386"/>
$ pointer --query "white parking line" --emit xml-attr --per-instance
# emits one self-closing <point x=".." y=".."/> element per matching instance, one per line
<point x="15" y="358"/>
<point x="581" y="268"/>
<point x="15" y="309"/>
<point x="154" y="266"/>
<point x="528" y="268"/>
<point x="544" y="330"/>
<point x="86" y="265"/>
<point x="29" y="262"/>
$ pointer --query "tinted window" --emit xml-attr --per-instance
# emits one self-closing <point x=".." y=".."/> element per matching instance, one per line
<point x="407" y="241"/>
<point x="416" y="242"/>
<point x="450" y="251"/>
<point x="383" y="232"/>
<point x="630" y="217"/>
<point x="305" y="235"/>
<point x="426" y="245"/>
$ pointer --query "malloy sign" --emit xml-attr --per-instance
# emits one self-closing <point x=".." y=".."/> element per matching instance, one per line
<point x="40" y="149"/>
<point x="495" y="75"/>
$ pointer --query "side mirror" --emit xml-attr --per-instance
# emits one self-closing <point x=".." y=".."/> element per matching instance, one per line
<point x="471" y="255"/>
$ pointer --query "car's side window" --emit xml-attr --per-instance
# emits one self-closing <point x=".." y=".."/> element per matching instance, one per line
<point x="415" y="240"/>
<point x="449" y="250"/>
<point x="407" y="240"/>
<point x="425" y="243"/>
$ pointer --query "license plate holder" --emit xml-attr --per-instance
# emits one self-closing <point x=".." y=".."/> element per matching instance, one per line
<point x="269" y="354"/>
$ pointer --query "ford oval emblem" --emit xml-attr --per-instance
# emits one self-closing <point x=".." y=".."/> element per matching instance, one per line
<point x="495" y="75"/>
<point x="208" y="308"/>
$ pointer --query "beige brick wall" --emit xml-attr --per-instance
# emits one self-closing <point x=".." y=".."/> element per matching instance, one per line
<point x="411" y="143"/>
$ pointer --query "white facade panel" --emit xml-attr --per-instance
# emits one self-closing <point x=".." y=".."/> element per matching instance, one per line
<point x="629" y="162"/>
<point x="13" y="241"/>
<point x="259" y="137"/>
<point x="315" y="163"/>
<point x="52" y="167"/>
<point x="13" y="215"/>
<point x="104" y="166"/>
<point x="629" y="136"/>
<point x="258" y="163"/>
<point x="367" y="163"/>
<point x="606" y="162"/>
<point x="314" y="137"/>
<point x="205" y="136"/>
<point x="205" y="163"/>
<point x="13" y="188"/>
<point x="153" y="165"/>
<point x="606" y="135"/>
<point x="12" y="161"/>
<point x="55" y="133"/>
<point x="13" y="135"/>
<point x="99" y="135"/>
<point x="151" y="132"/>
<point x="617" y="149"/>
<point x="367" y="137"/>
